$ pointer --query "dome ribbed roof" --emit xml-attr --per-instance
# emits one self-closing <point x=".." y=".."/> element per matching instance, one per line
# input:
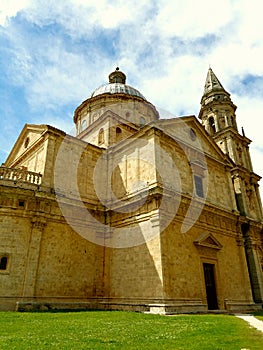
<point x="117" y="85"/>
<point x="117" y="88"/>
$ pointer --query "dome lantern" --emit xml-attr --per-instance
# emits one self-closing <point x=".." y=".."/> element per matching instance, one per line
<point x="117" y="77"/>
<point x="117" y="85"/>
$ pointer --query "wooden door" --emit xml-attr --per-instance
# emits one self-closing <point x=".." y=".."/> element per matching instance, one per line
<point x="210" y="286"/>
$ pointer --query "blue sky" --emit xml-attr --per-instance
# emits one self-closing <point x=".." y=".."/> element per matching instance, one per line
<point x="55" y="53"/>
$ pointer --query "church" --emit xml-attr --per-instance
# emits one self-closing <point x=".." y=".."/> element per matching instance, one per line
<point x="136" y="212"/>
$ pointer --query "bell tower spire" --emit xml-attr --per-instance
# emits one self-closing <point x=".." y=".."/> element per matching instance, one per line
<point x="218" y="116"/>
<point x="212" y="83"/>
<point x="217" y="109"/>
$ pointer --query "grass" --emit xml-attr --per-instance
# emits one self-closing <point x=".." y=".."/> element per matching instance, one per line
<point x="259" y="315"/>
<point x="124" y="330"/>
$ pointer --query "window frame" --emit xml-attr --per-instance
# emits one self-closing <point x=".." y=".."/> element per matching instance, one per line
<point x="199" y="186"/>
<point x="4" y="270"/>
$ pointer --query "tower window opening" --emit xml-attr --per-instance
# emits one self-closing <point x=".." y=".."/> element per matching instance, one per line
<point x="212" y="124"/>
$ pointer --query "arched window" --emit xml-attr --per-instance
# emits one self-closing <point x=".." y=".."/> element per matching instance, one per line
<point x="101" y="136"/>
<point x="83" y="125"/>
<point x="212" y="124"/>
<point x="3" y="263"/>
<point x="118" y="133"/>
<point x="142" y="121"/>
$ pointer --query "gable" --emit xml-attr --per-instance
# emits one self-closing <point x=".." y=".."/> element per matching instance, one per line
<point x="107" y="122"/>
<point x="30" y="149"/>
<point x="206" y="239"/>
<point x="28" y="137"/>
<point x="190" y="133"/>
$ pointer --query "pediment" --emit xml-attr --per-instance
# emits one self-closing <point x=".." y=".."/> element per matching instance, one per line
<point x="30" y="136"/>
<point x="190" y="133"/>
<point x="108" y="118"/>
<point x="206" y="239"/>
<point x="116" y="120"/>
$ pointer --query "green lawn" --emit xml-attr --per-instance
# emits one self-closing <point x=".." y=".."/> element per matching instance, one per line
<point x="259" y="315"/>
<point x="124" y="330"/>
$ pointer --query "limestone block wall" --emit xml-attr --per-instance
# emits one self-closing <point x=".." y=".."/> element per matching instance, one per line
<point x="184" y="163"/>
<point x="14" y="233"/>
<point x="69" y="167"/>
<point x="47" y="259"/>
<point x="183" y="260"/>
<point x="220" y="187"/>
<point x="133" y="167"/>
<point x="136" y="272"/>
<point x="68" y="264"/>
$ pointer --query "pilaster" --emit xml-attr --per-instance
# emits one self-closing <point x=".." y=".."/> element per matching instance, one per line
<point x="254" y="266"/>
<point x="38" y="226"/>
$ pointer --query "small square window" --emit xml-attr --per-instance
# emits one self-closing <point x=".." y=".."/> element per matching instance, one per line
<point x="21" y="203"/>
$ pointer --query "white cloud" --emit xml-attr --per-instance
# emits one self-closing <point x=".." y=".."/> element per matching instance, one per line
<point x="9" y="8"/>
<point x="80" y="18"/>
<point x="191" y="19"/>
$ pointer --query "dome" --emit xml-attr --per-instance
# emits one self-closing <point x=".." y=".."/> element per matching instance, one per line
<point x="117" y="85"/>
<point x="117" y="88"/>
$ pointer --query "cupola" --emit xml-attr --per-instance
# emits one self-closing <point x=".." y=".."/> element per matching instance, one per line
<point x="126" y="102"/>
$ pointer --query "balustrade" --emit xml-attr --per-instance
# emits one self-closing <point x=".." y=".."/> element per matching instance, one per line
<point x="20" y="175"/>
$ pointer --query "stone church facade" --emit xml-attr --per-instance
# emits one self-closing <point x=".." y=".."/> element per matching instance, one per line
<point x="135" y="212"/>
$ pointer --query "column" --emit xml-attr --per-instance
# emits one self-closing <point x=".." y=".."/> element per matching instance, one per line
<point x="216" y="123"/>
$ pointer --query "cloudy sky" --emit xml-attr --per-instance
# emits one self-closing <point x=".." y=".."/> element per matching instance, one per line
<point x="55" y="53"/>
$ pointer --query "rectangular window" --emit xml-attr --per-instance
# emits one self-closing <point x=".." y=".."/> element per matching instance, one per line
<point x="199" y="186"/>
<point x="3" y="263"/>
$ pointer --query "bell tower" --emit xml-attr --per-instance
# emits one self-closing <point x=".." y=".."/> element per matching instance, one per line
<point x="218" y="116"/>
<point x="219" y="119"/>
